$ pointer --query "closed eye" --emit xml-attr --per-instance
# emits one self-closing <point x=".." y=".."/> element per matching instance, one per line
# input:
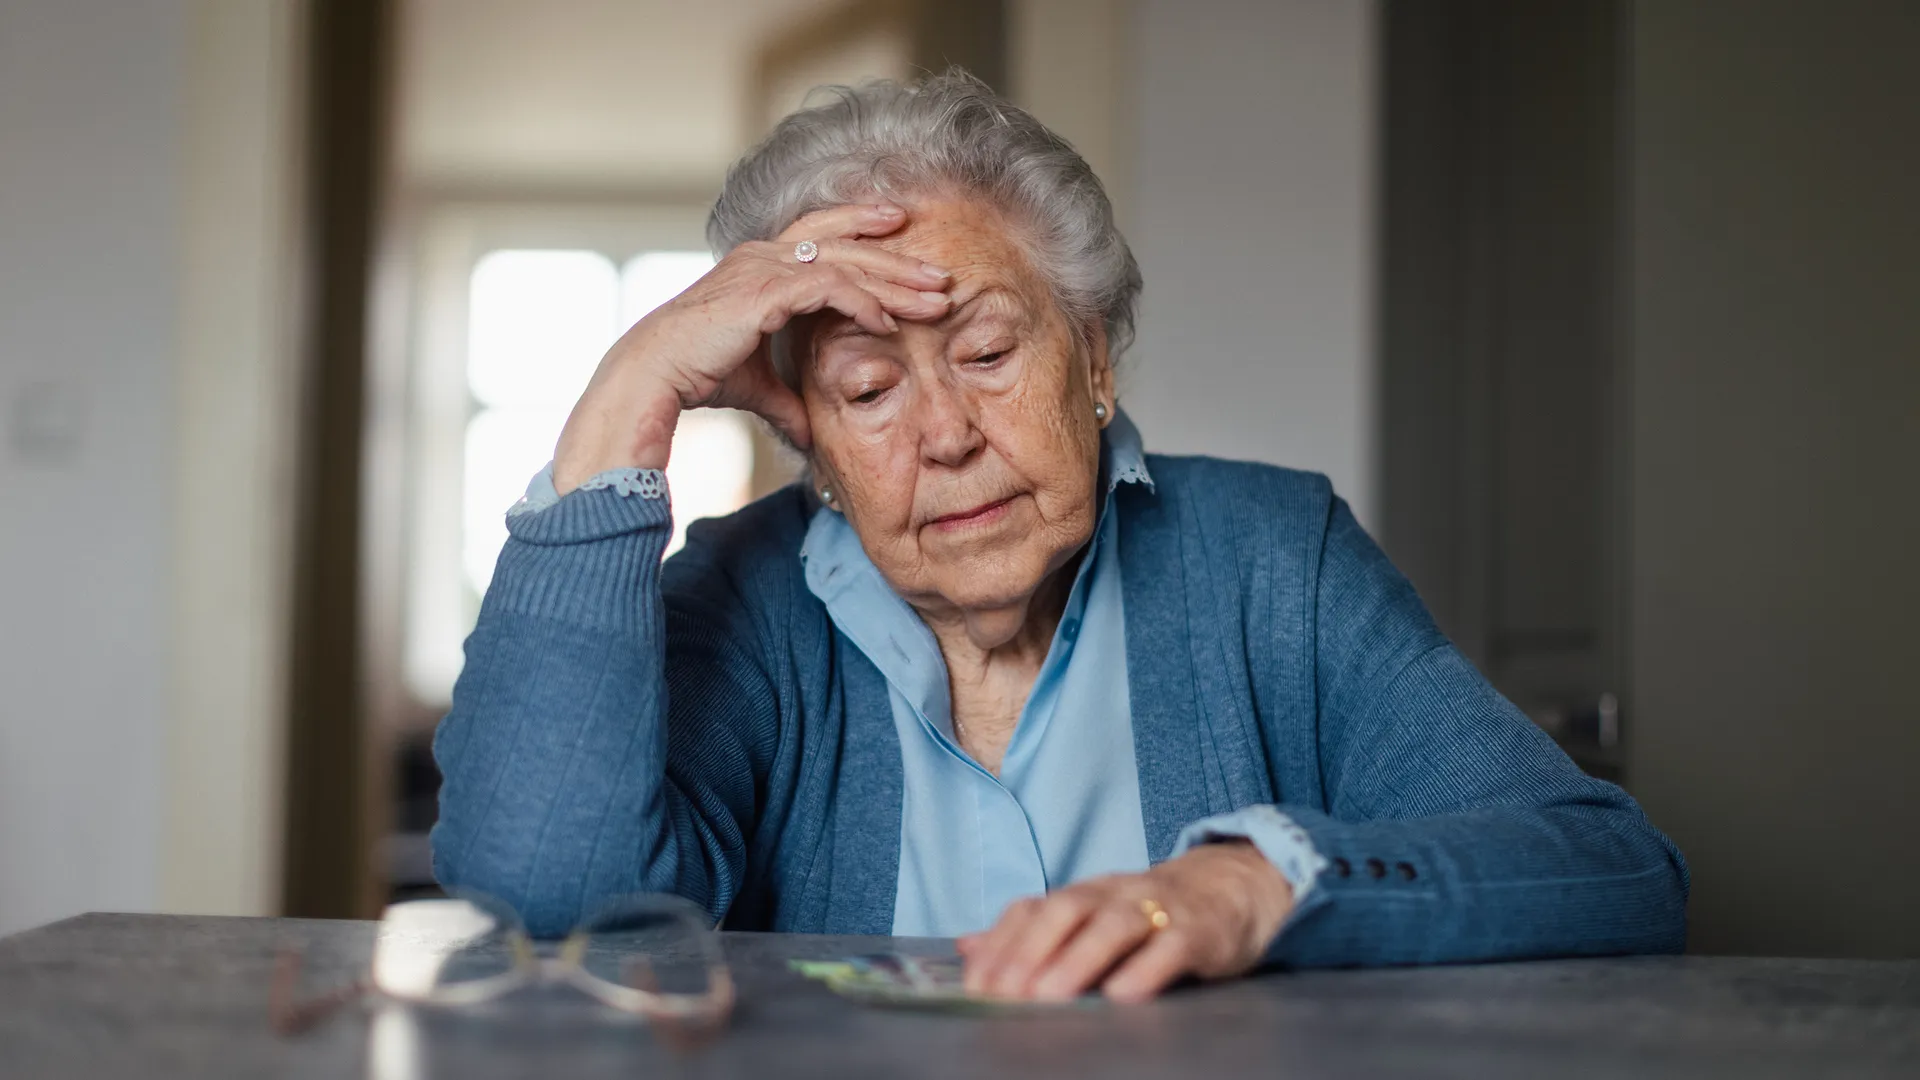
<point x="869" y="397"/>
<point x="990" y="359"/>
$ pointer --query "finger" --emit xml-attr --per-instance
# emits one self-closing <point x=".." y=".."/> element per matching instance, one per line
<point x="1058" y="919"/>
<point x="984" y="949"/>
<point x="1166" y="956"/>
<point x="848" y="221"/>
<point x="782" y="408"/>
<point x="1113" y="933"/>
<point x="829" y="288"/>
<point x="898" y="299"/>
<point x="922" y="305"/>
<point x="890" y="265"/>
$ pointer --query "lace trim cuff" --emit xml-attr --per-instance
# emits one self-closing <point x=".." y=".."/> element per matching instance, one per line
<point x="646" y="483"/>
<point x="1284" y="843"/>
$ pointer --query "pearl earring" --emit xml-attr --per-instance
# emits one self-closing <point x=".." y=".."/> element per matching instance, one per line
<point x="826" y="495"/>
<point x="1100" y="410"/>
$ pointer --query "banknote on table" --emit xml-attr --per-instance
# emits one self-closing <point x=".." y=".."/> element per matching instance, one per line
<point x="917" y="982"/>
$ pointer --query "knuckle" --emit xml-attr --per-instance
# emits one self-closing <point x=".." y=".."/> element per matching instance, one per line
<point x="1073" y="903"/>
<point x="767" y="290"/>
<point x="1179" y="938"/>
<point x="758" y="249"/>
<point x="1110" y="922"/>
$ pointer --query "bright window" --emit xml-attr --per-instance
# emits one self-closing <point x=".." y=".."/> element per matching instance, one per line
<point x="537" y="323"/>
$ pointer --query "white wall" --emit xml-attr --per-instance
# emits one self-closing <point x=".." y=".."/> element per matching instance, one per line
<point x="1250" y="206"/>
<point x="146" y="201"/>
<point x="88" y="252"/>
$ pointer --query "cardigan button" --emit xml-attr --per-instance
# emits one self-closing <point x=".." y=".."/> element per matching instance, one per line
<point x="1406" y="871"/>
<point x="1376" y="869"/>
<point x="1342" y="868"/>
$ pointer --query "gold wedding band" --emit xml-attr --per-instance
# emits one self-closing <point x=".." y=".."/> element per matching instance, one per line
<point x="1155" y="914"/>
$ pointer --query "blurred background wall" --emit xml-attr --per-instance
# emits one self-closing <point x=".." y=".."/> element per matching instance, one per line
<point x="148" y="190"/>
<point x="1602" y="314"/>
<point x="90" y="230"/>
<point x="1252" y="210"/>
<point x="1775" y="339"/>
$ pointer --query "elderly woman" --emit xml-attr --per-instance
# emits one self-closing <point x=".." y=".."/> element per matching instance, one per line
<point x="1111" y="718"/>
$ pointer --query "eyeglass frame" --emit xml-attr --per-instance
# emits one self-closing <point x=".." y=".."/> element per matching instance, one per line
<point x="676" y="1012"/>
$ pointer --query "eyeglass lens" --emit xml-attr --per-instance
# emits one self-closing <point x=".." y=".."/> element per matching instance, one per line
<point x="428" y="947"/>
<point x="658" y="944"/>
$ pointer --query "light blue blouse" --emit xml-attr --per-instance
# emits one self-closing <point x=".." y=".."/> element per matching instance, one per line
<point x="1066" y="805"/>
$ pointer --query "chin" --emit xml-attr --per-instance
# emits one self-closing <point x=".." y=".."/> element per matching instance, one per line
<point x="990" y="581"/>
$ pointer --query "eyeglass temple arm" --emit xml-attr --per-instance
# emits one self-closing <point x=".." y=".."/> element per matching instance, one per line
<point x="685" y="1032"/>
<point x="289" y="1014"/>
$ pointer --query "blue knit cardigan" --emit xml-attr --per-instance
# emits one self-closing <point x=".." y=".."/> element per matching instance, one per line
<point x="703" y="729"/>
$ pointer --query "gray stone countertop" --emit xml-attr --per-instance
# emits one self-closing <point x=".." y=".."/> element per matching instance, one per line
<point x="167" y="996"/>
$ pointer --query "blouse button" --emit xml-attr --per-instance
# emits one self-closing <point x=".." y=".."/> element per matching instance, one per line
<point x="1406" y="871"/>
<point x="1342" y="868"/>
<point x="1376" y="868"/>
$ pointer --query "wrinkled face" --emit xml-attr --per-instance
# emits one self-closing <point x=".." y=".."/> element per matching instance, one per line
<point x="964" y="452"/>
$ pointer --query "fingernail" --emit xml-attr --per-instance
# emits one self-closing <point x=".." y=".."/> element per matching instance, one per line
<point x="934" y="297"/>
<point x="891" y="325"/>
<point x="935" y="271"/>
<point x="888" y="210"/>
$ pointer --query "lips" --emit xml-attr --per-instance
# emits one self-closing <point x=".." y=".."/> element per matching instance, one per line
<point x="978" y="515"/>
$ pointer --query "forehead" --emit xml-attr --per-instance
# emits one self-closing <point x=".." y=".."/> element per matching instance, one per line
<point x="966" y="236"/>
<point x="974" y="242"/>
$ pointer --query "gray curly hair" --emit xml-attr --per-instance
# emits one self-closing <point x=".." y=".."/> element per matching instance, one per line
<point x="944" y="133"/>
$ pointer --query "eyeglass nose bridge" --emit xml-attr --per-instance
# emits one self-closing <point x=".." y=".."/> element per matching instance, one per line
<point x="643" y="997"/>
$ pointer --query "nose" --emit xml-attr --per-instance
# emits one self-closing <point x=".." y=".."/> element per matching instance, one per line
<point x="949" y="432"/>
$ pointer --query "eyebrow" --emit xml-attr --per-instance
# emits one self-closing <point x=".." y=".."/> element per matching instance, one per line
<point x="847" y="328"/>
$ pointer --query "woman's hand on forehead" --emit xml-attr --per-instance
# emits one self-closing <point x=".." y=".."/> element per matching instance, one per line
<point x="708" y="346"/>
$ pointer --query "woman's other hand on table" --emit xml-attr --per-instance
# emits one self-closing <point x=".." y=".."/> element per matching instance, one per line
<point x="1210" y="913"/>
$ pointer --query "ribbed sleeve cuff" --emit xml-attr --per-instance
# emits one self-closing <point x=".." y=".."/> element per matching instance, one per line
<point x="591" y="559"/>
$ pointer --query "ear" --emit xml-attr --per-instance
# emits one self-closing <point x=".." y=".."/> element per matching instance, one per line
<point x="1100" y="367"/>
